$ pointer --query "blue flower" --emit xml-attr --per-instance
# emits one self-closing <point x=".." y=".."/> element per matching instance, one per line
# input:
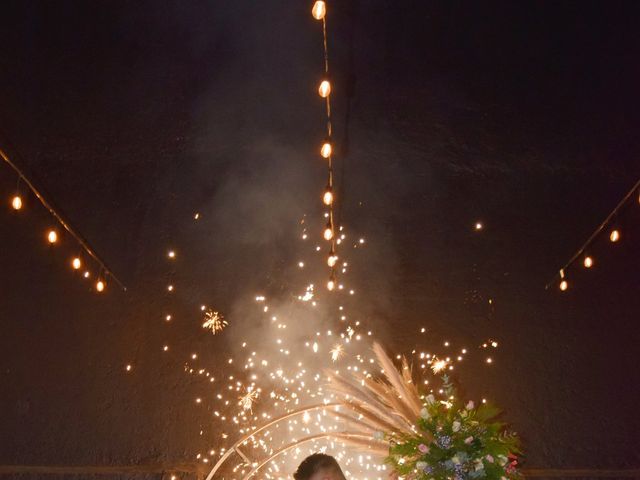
<point x="444" y="441"/>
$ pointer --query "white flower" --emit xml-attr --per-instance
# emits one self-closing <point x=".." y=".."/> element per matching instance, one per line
<point x="468" y="440"/>
<point x="424" y="413"/>
<point x="455" y="460"/>
<point x="379" y="435"/>
<point x="479" y="465"/>
<point x="470" y="405"/>
<point x="421" y="465"/>
<point x="455" y="426"/>
<point x="503" y="460"/>
<point x="431" y="399"/>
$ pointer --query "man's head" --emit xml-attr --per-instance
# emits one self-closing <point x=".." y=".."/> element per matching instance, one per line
<point x="319" y="467"/>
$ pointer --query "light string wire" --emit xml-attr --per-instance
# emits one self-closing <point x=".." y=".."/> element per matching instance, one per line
<point x="330" y="179"/>
<point x="104" y="269"/>
<point x="562" y="272"/>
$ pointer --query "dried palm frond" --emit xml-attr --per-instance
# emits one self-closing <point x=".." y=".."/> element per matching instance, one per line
<point x="354" y="391"/>
<point x="403" y="388"/>
<point x="390" y="404"/>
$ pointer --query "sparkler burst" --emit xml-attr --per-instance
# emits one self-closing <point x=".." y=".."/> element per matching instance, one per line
<point x="249" y="398"/>
<point x="438" y="365"/>
<point x="336" y="352"/>
<point x="214" y="321"/>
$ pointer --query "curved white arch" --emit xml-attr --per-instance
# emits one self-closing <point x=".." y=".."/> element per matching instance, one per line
<point x="242" y="440"/>
<point x="337" y="436"/>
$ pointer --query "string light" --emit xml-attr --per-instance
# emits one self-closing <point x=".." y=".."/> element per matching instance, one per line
<point x="327" y="198"/>
<point x="325" y="150"/>
<point x="324" y="89"/>
<point x="100" y="286"/>
<point x="564" y="285"/>
<point x="328" y="232"/>
<point x="52" y="236"/>
<point x="76" y="263"/>
<point x="319" y="10"/>
<point x="614" y="236"/>
<point x="16" y="202"/>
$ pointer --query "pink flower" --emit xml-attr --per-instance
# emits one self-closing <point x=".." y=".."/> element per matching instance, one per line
<point x="489" y="458"/>
<point x="468" y="440"/>
<point x="423" y="448"/>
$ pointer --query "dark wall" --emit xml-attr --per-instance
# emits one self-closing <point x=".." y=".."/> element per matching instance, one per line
<point x="134" y="116"/>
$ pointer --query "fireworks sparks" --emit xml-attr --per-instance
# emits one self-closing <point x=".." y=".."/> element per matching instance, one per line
<point x="214" y="321"/>
<point x="248" y="399"/>
<point x="280" y="369"/>
<point x="337" y="352"/>
<point x="437" y="365"/>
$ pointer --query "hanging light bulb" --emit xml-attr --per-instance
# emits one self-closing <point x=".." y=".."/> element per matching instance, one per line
<point x="76" y="263"/>
<point x="328" y="232"/>
<point x="325" y="89"/>
<point x="100" y="286"/>
<point x="615" y="236"/>
<point x="332" y="259"/>
<point x="331" y="284"/>
<point x="564" y="285"/>
<point x="319" y="10"/>
<point x="588" y="262"/>
<point x="327" y="198"/>
<point x="325" y="150"/>
<point x="16" y="202"/>
<point x="52" y="236"/>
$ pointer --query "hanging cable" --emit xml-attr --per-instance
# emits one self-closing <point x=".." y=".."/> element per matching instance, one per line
<point x="52" y="235"/>
<point x="588" y="261"/>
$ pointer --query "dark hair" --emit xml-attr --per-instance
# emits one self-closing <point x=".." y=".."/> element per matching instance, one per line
<point x="314" y="463"/>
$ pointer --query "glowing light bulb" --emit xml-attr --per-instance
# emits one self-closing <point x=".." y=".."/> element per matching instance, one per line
<point x="615" y="235"/>
<point x="52" y="236"/>
<point x="588" y="262"/>
<point x="564" y="285"/>
<point x="332" y="259"/>
<point x="325" y="89"/>
<point x="171" y="254"/>
<point x="100" y="285"/>
<point x="331" y="284"/>
<point x="16" y="202"/>
<point x="326" y="150"/>
<point x="319" y="10"/>
<point x="328" y="233"/>
<point x="76" y="263"/>
<point x="479" y="226"/>
<point x="327" y="198"/>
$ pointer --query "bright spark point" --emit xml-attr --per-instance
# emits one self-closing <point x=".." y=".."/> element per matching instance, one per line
<point x="337" y="351"/>
<point x="214" y="321"/>
<point x="247" y="400"/>
<point x="438" y="365"/>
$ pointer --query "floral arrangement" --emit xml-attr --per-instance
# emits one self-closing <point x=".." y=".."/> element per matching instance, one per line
<point x="422" y="437"/>
<point x="454" y="441"/>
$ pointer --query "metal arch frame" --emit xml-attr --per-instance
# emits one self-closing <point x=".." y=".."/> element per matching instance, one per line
<point x="235" y="447"/>
<point x="337" y="436"/>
